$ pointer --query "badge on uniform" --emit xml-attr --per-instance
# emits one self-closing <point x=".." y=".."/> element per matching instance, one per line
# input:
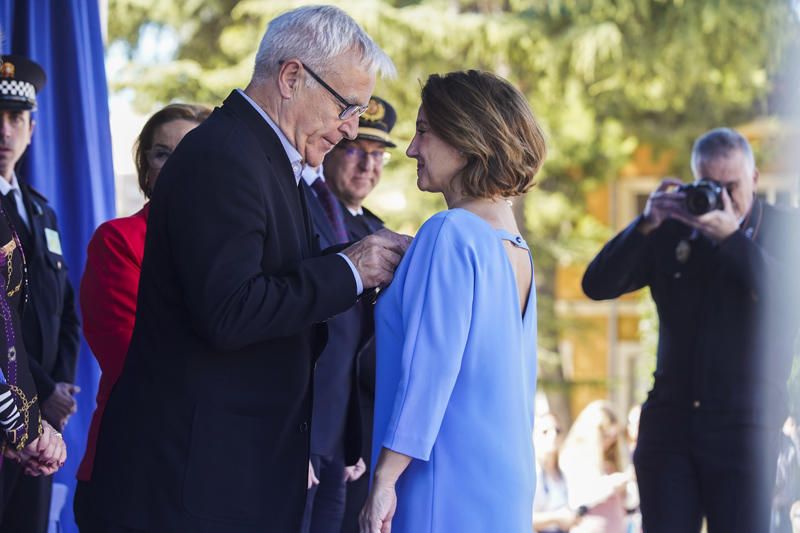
<point x="53" y="241"/>
<point x="682" y="251"/>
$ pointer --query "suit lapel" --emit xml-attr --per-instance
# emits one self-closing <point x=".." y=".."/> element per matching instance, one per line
<point x="274" y="152"/>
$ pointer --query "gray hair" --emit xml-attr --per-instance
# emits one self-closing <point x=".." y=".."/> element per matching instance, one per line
<point x="720" y="143"/>
<point x="316" y="35"/>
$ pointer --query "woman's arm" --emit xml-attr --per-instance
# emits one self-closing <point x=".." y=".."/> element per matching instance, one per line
<point x="376" y="517"/>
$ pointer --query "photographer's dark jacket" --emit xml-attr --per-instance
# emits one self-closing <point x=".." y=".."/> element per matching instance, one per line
<point x="727" y="311"/>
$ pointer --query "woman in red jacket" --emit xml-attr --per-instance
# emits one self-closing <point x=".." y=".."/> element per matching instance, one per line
<point x="111" y="280"/>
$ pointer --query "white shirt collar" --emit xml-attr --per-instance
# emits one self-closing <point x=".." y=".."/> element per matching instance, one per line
<point x="356" y="212"/>
<point x="6" y="186"/>
<point x="294" y="156"/>
<point x="310" y="174"/>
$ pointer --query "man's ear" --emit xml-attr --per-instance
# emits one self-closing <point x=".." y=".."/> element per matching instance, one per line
<point x="33" y="126"/>
<point x="289" y="77"/>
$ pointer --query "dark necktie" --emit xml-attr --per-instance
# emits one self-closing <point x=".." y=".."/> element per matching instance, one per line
<point x="332" y="209"/>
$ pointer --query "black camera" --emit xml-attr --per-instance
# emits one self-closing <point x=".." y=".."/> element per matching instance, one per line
<point x="702" y="196"/>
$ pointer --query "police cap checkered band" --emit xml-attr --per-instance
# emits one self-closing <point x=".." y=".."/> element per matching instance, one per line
<point x="18" y="91"/>
<point x="20" y="80"/>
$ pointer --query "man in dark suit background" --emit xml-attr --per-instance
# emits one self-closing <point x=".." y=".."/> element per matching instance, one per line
<point x="724" y="283"/>
<point x="207" y="428"/>
<point x="50" y="323"/>
<point x="351" y="169"/>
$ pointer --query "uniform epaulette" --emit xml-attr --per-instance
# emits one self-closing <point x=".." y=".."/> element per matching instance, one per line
<point x="38" y="195"/>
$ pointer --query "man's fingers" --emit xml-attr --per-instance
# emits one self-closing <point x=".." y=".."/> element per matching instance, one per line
<point x="394" y="241"/>
<point x="727" y="205"/>
<point x="667" y="183"/>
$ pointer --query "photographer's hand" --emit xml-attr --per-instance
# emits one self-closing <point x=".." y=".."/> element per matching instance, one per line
<point x="717" y="225"/>
<point x="660" y="205"/>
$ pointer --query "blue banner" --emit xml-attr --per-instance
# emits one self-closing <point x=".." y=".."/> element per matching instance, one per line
<point x="69" y="160"/>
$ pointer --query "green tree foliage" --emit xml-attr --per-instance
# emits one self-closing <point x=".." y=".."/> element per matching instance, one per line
<point x="603" y="76"/>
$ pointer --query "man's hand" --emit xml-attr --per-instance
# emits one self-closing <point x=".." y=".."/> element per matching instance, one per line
<point x="377" y="255"/>
<point x="717" y="225"/>
<point x="60" y="405"/>
<point x="352" y="473"/>
<point x="312" y="478"/>
<point x="661" y="205"/>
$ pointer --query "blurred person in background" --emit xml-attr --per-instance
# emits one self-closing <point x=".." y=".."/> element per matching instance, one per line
<point x="110" y="280"/>
<point x="50" y="328"/>
<point x="787" y="481"/>
<point x="551" y="510"/>
<point x="724" y="281"/>
<point x="456" y="329"/>
<point x="794" y="515"/>
<point x="593" y="460"/>
<point x="634" y="518"/>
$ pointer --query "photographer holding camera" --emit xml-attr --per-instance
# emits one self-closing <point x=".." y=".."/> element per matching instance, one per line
<point x="721" y="267"/>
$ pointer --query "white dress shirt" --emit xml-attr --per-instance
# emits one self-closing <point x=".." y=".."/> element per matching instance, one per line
<point x="13" y="186"/>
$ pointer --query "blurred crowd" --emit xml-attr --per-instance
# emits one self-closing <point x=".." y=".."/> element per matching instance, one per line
<point x="586" y="481"/>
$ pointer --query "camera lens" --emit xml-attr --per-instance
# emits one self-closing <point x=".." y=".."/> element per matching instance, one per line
<point x="700" y="200"/>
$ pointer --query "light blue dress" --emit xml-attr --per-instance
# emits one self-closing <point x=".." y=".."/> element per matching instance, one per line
<point x="455" y="381"/>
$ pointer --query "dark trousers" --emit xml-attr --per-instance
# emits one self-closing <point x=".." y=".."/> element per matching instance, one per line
<point x="325" y="502"/>
<point x="357" y="492"/>
<point x="694" y="464"/>
<point x="25" y="506"/>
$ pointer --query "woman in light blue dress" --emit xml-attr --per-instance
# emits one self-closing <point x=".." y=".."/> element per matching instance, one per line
<point x="456" y="329"/>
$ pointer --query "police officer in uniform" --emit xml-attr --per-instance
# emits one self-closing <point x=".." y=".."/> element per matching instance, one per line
<point x="50" y="323"/>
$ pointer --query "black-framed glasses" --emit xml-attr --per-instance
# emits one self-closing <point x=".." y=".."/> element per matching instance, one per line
<point x="378" y="157"/>
<point x="350" y="110"/>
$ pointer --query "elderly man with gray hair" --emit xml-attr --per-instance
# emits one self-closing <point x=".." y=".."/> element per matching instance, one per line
<point x="721" y="266"/>
<point x="207" y="429"/>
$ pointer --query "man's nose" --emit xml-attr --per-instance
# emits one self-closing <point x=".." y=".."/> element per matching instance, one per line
<point x="367" y="161"/>
<point x="350" y="128"/>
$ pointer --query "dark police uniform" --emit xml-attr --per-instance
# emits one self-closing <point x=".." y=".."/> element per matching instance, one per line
<point x="709" y="428"/>
<point x="50" y="323"/>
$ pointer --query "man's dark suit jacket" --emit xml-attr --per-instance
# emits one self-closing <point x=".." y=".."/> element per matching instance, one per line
<point x="727" y="312"/>
<point x="208" y="426"/>
<point x="335" y="428"/>
<point x="359" y="227"/>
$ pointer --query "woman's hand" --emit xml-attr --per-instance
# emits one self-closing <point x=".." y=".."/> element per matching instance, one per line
<point x="45" y="454"/>
<point x="376" y="516"/>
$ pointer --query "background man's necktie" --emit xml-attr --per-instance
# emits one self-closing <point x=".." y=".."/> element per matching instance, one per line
<point x="332" y="209"/>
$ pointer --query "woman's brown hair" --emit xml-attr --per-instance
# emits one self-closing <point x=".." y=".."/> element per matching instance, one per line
<point x="190" y="112"/>
<point x="489" y="121"/>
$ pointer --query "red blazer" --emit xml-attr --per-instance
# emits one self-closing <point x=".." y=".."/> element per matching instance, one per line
<point x="108" y="293"/>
